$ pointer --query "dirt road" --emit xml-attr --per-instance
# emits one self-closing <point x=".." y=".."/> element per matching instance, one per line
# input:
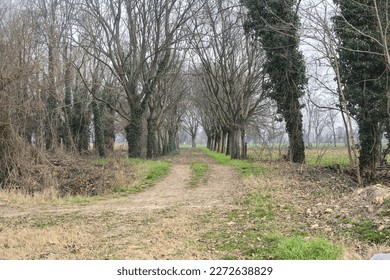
<point x="166" y="221"/>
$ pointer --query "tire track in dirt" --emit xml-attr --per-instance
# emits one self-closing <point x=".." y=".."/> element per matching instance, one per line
<point x="173" y="190"/>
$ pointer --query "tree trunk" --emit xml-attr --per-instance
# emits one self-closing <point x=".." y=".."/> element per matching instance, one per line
<point x="151" y="142"/>
<point x="193" y="137"/>
<point x="172" y="141"/>
<point x="109" y="129"/>
<point x="223" y="148"/>
<point x="228" y="144"/>
<point x="348" y="143"/>
<point x="134" y="133"/>
<point x="51" y="126"/>
<point x="68" y="137"/>
<point x="214" y="144"/>
<point x="370" y="143"/>
<point x="243" y="145"/>
<point x="98" y="121"/>
<point x="209" y="141"/>
<point x="158" y="147"/>
<point x="235" y="143"/>
<point x="293" y="118"/>
<point x="218" y="142"/>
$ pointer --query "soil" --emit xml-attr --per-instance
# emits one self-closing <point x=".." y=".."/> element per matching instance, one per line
<point x="171" y="219"/>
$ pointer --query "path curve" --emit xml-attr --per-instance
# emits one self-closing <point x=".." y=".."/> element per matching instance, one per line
<point x="173" y="190"/>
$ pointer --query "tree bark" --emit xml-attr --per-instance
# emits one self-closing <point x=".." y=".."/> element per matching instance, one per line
<point x="293" y="118"/>
<point x="370" y="143"/>
<point x="151" y="142"/>
<point x="235" y="149"/>
<point x="243" y="145"/>
<point x="223" y="148"/>
<point x="134" y="133"/>
<point x="98" y="121"/>
<point x="229" y="140"/>
<point x="193" y="136"/>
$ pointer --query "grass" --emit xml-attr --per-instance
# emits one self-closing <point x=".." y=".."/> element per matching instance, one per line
<point x="385" y="212"/>
<point x="244" y="167"/>
<point x="367" y="230"/>
<point x="330" y="157"/>
<point x="253" y="237"/>
<point x="79" y="199"/>
<point x="155" y="170"/>
<point x="251" y="233"/>
<point x="338" y="155"/>
<point x="199" y="171"/>
<point x="261" y="207"/>
<point x="186" y="146"/>
<point x="298" y="248"/>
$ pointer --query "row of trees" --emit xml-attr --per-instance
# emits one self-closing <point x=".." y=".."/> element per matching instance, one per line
<point x="350" y="39"/>
<point x="69" y="64"/>
<point x="72" y="69"/>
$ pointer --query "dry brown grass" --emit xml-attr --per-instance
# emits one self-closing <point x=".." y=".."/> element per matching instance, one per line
<point x="15" y="196"/>
<point x="42" y="243"/>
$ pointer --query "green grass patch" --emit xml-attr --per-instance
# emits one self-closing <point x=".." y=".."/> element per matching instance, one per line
<point x="155" y="170"/>
<point x="385" y="212"/>
<point x="198" y="173"/>
<point x="260" y="207"/>
<point x="189" y="146"/>
<point x="331" y="157"/>
<point x="367" y="230"/>
<point x="254" y="244"/>
<point x="298" y="248"/>
<point x="251" y="233"/>
<point x="102" y="161"/>
<point x="245" y="167"/>
<point x="314" y="156"/>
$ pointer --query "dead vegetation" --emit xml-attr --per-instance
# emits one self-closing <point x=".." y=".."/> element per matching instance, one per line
<point x="64" y="175"/>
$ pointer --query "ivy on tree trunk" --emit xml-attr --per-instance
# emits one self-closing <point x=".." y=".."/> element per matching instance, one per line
<point x="364" y="74"/>
<point x="98" y="121"/>
<point x="275" y="25"/>
<point x="134" y="133"/>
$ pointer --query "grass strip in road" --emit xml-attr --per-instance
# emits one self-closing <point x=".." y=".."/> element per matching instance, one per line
<point x="245" y="167"/>
<point x="199" y="171"/>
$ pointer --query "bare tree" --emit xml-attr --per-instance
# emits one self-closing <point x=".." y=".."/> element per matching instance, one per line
<point x="191" y="121"/>
<point x="134" y="40"/>
<point x="17" y="66"/>
<point x="320" y="37"/>
<point x="230" y="68"/>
